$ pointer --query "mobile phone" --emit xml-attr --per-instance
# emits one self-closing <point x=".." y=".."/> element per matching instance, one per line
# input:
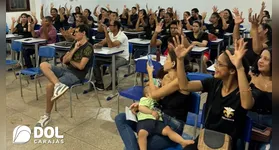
<point x="259" y="127"/>
<point x="149" y="57"/>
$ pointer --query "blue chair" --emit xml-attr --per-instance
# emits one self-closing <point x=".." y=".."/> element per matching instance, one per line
<point x="192" y="118"/>
<point x="247" y="132"/>
<point x="194" y="109"/>
<point x="44" y="52"/>
<point x="136" y="92"/>
<point x="198" y="76"/>
<point x="16" y="47"/>
<point x="89" y="81"/>
<point x="37" y="27"/>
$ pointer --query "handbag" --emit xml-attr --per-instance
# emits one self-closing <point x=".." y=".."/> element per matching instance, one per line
<point x="261" y="133"/>
<point x="210" y="140"/>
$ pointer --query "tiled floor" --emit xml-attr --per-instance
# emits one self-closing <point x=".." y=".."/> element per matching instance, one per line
<point x="87" y="130"/>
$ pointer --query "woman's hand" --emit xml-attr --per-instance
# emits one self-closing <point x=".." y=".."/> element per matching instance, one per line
<point x="215" y="9"/>
<point x="239" y="53"/>
<point x="238" y="19"/>
<point x="13" y="20"/>
<point x="180" y="50"/>
<point x="134" y="108"/>
<point x="255" y="19"/>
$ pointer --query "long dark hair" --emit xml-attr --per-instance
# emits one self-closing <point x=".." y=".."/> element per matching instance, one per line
<point x="160" y="12"/>
<point x="255" y="67"/>
<point x="268" y="33"/>
<point x="218" y="17"/>
<point x="230" y="13"/>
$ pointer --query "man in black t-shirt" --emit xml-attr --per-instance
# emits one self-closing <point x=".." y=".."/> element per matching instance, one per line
<point x="195" y="16"/>
<point x="132" y="18"/>
<point x="78" y="61"/>
<point x="175" y="29"/>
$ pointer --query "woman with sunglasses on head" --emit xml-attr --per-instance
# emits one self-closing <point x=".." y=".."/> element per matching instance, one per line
<point x="261" y="85"/>
<point x="228" y="90"/>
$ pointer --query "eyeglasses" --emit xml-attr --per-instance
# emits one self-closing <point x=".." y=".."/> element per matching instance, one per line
<point x="217" y="64"/>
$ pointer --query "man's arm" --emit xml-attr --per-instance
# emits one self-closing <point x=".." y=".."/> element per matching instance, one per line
<point x="109" y="42"/>
<point x="68" y="56"/>
<point x="80" y="65"/>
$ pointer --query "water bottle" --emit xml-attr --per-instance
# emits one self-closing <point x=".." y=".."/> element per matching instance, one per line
<point x="149" y="57"/>
<point x="158" y="54"/>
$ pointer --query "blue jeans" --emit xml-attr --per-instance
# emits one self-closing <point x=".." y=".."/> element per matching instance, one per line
<point x="127" y="128"/>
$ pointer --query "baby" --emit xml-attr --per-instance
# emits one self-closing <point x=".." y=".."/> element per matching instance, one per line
<point x="150" y="122"/>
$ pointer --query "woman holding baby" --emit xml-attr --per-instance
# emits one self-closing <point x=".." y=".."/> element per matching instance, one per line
<point x="172" y="107"/>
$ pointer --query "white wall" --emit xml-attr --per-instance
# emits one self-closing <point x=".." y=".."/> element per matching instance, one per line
<point x="179" y="5"/>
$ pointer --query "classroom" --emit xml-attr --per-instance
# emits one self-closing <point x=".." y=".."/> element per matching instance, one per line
<point x="139" y="75"/>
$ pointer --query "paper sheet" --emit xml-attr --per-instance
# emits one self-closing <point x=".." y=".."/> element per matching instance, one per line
<point x="130" y="115"/>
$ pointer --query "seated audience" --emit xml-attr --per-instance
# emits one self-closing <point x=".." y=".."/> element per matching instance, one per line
<point x="185" y="21"/>
<point x="161" y="14"/>
<point x="166" y="23"/>
<point x="132" y="18"/>
<point x="47" y="31"/>
<point x="115" y="38"/>
<point x="173" y="105"/>
<point x="55" y="18"/>
<point x="199" y="38"/>
<point x="195" y="16"/>
<point x="229" y="88"/>
<point x="261" y="35"/>
<point x="22" y="28"/>
<point x="77" y="63"/>
<point x="216" y="28"/>
<point x="175" y="29"/>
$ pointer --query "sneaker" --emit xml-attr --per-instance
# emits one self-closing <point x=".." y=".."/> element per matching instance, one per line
<point x="43" y="121"/>
<point x="59" y="90"/>
<point x="110" y="86"/>
<point x="99" y="86"/>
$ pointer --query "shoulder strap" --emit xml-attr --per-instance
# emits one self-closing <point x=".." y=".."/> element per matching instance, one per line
<point x="209" y="108"/>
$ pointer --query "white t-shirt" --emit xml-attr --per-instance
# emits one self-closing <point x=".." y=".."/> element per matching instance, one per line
<point x="123" y="39"/>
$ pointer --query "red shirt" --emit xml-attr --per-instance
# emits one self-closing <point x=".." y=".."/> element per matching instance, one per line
<point x="51" y="34"/>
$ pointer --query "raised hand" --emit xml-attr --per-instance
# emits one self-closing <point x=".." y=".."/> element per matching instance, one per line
<point x="255" y="19"/>
<point x="65" y="6"/>
<point x="236" y="12"/>
<point x="250" y="11"/>
<point x="180" y="49"/>
<point x="238" y="19"/>
<point x="13" y="20"/>
<point x="42" y="6"/>
<point x="239" y="53"/>
<point x="215" y="9"/>
<point x="33" y="14"/>
<point x="203" y="16"/>
<point x="179" y="27"/>
<point x="130" y="13"/>
<point x="51" y="5"/>
<point x="108" y="7"/>
<point x="221" y="14"/>
<point x="158" y="28"/>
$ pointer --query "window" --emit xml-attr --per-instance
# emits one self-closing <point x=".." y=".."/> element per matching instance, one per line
<point x="17" y="5"/>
